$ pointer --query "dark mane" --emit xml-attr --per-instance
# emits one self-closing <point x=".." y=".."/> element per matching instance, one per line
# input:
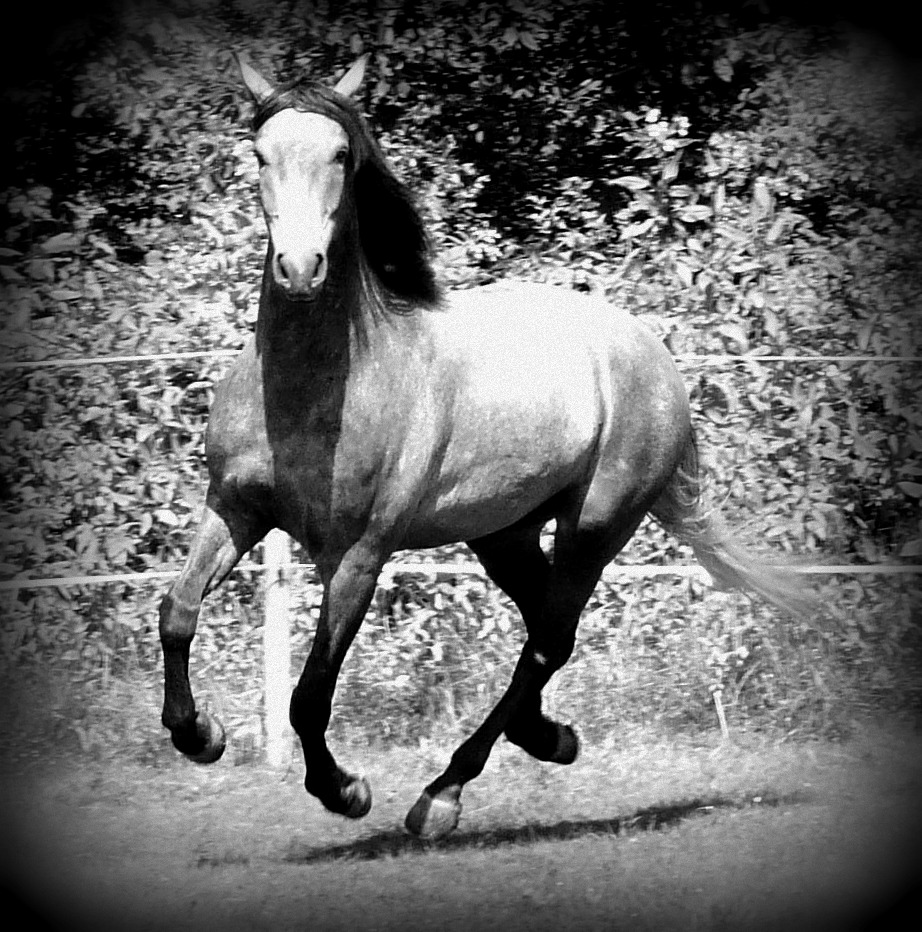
<point x="394" y="249"/>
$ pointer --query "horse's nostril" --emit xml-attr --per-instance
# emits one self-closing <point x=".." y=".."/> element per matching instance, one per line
<point x="280" y="265"/>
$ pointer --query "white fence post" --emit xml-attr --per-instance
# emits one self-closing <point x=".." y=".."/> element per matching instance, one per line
<point x="277" y="648"/>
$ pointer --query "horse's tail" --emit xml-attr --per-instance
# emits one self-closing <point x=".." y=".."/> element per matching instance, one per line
<point x="682" y="511"/>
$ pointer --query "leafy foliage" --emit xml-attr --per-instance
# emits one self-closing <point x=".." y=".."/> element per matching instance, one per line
<point x="751" y="188"/>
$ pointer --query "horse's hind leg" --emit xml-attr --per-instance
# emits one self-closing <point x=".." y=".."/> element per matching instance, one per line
<point x="551" y="634"/>
<point x="223" y="536"/>
<point x="515" y="561"/>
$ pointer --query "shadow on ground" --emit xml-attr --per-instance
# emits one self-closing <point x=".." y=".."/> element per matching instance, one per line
<point x="653" y="818"/>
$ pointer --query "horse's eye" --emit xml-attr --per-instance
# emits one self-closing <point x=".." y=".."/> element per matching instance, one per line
<point x="260" y="159"/>
<point x="341" y="156"/>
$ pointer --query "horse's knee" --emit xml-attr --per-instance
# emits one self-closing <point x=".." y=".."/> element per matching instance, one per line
<point x="177" y="620"/>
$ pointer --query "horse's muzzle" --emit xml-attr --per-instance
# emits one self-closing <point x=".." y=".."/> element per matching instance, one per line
<point x="299" y="277"/>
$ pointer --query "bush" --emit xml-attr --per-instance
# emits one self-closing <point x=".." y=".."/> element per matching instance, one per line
<point x="742" y="190"/>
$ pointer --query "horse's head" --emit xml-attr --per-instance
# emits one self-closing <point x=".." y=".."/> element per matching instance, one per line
<point x="305" y="153"/>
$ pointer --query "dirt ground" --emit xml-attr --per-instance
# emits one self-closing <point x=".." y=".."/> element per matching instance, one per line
<point x="645" y="834"/>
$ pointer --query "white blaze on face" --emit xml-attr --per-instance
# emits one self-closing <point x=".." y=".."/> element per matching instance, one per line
<point x="302" y="159"/>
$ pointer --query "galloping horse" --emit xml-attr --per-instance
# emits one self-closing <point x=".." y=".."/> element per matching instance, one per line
<point x="372" y="413"/>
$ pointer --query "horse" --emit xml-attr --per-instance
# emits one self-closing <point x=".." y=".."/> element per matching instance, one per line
<point x="372" y="411"/>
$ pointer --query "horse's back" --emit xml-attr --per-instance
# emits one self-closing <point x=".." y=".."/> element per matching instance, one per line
<point x="554" y="321"/>
<point x="542" y="338"/>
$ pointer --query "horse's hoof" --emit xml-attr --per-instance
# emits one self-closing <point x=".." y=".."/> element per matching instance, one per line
<point x="567" y="745"/>
<point x="357" y="798"/>
<point x="209" y="737"/>
<point x="434" y="816"/>
<point x="349" y="797"/>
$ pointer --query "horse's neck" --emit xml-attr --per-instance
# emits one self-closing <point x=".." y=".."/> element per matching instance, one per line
<point x="300" y="334"/>
<point x="306" y="347"/>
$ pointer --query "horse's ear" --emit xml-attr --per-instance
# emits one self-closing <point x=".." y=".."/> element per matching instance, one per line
<point x="351" y="81"/>
<point x="255" y="83"/>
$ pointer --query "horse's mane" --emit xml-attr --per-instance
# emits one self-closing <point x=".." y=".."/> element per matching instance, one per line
<point x="394" y="250"/>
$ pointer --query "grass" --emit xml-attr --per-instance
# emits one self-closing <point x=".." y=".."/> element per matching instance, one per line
<point x="752" y="834"/>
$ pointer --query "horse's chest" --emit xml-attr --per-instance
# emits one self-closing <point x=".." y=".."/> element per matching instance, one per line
<point x="236" y="446"/>
<point x="288" y="450"/>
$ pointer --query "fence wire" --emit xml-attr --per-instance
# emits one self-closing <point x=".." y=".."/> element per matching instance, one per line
<point x="440" y="569"/>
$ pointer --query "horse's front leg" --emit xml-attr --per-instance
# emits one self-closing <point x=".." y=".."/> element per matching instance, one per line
<point x="347" y="593"/>
<point x="223" y="536"/>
